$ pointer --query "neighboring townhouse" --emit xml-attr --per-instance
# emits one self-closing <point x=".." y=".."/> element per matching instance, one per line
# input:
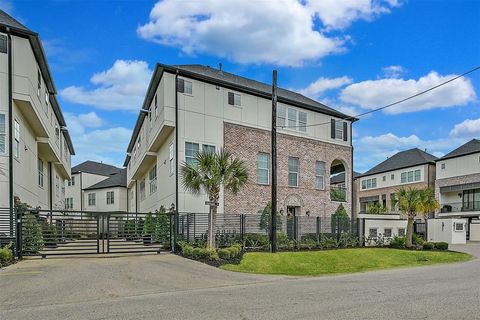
<point x="35" y="146"/>
<point x="458" y="184"/>
<point x="377" y="186"/>
<point x="189" y="108"/>
<point x="96" y="186"/>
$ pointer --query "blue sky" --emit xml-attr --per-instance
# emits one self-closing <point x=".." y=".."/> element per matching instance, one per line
<point x="351" y="55"/>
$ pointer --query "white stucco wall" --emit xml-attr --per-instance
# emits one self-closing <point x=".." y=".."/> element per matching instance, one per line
<point x="442" y="230"/>
<point x="461" y="166"/>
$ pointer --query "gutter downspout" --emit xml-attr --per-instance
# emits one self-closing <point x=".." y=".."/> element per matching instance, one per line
<point x="175" y="217"/>
<point x="353" y="205"/>
<point x="50" y="187"/>
<point x="10" y="131"/>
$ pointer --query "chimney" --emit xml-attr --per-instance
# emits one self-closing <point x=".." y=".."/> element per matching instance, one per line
<point x="220" y="66"/>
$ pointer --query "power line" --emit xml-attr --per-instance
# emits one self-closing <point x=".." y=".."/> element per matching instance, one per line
<point x="393" y="103"/>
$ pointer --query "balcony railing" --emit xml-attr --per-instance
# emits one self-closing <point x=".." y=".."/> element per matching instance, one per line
<point x="460" y="207"/>
<point x="338" y="194"/>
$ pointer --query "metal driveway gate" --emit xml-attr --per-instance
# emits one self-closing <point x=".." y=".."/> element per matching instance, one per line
<point x="45" y="232"/>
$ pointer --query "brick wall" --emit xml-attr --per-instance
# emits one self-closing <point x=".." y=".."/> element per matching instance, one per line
<point x="247" y="142"/>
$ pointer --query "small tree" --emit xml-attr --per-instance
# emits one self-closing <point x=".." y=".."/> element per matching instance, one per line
<point x="338" y="217"/>
<point x="162" y="226"/>
<point x="266" y="218"/>
<point x="149" y="225"/>
<point x="209" y="172"/>
<point x="32" y="234"/>
<point x="414" y="202"/>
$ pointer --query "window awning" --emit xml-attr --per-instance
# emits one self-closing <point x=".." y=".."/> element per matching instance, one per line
<point x="460" y="187"/>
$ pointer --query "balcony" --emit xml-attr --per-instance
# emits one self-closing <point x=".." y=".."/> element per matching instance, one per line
<point x="338" y="194"/>
<point x="455" y="207"/>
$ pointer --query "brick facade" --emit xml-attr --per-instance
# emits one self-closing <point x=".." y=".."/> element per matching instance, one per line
<point x="246" y="143"/>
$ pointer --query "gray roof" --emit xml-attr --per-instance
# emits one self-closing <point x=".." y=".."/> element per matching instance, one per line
<point x="242" y="82"/>
<point x="339" y="178"/>
<point x="472" y="146"/>
<point x="118" y="179"/>
<point x="96" y="168"/>
<point x="8" y="20"/>
<point x="403" y="159"/>
<point x="19" y="30"/>
<point x="230" y="81"/>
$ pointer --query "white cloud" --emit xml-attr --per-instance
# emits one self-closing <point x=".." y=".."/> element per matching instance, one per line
<point x="468" y="128"/>
<point x="393" y="71"/>
<point x="371" y="150"/>
<point x="122" y="87"/>
<point x="337" y="14"/>
<point x="372" y="94"/>
<point x="77" y="124"/>
<point x="316" y="88"/>
<point x="101" y="144"/>
<point x="282" y="32"/>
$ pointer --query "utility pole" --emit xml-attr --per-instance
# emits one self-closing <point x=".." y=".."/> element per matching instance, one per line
<point x="273" y="223"/>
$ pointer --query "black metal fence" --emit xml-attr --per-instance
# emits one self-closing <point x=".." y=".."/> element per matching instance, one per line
<point x="46" y="232"/>
<point x="7" y="227"/>
<point x="253" y="230"/>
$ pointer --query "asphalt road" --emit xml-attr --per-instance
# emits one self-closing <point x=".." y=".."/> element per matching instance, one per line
<point x="169" y="287"/>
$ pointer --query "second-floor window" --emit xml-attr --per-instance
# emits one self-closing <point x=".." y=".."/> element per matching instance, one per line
<point x="3" y="134"/>
<point x="410" y="176"/>
<point x="57" y="186"/>
<point x="234" y="99"/>
<point x="291" y="118"/>
<point x="339" y="130"/>
<point x="191" y="150"/>
<point x="320" y="175"/>
<point x="156" y="106"/>
<point x="208" y="148"/>
<point x="152" y="176"/>
<point x="57" y="133"/>
<point x="293" y="170"/>
<point x="91" y="199"/>
<point x="16" y="147"/>
<point x="41" y="173"/>
<point x="184" y="86"/>
<point x="369" y="183"/>
<point x="263" y="168"/>
<point x="71" y="182"/>
<point x="110" y="197"/>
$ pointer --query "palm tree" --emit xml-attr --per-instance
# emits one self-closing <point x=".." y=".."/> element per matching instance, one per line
<point x="208" y="173"/>
<point x="414" y="202"/>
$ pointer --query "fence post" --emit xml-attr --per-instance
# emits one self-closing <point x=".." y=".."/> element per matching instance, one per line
<point x="295" y="235"/>
<point x="18" y="233"/>
<point x="188" y="227"/>
<point x="242" y="227"/>
<point x="318" y="230"/>
<point x="172" y="241"/>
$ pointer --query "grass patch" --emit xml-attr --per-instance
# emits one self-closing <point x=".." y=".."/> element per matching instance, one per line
<point x="314" y="263"/>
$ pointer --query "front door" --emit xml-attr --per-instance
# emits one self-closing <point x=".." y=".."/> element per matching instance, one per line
<point x="291" y="225"/>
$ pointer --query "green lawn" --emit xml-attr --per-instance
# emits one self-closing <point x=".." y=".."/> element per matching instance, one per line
<point x="314" y="263"/>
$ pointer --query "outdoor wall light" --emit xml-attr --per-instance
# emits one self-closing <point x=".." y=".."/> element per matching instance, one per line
<point x="308" y="213"/>
<point x="281" y="212"/>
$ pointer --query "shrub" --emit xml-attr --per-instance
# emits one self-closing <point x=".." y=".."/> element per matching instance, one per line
<point x="204" y="254"/>
<point x="428" y="246"/>
<point x="256" y="240"/>
<point x="282" y="239"/>
<point x="417" y="240"/>
<point x="49" y="234"/>
<point x="187" y="251"/>
<point x="32" y="238"/>
<point x="6" y="255"/>
<point x="226" y="239"/>
<point x="397" y="242"/>
<point x="328" y="243"/>
<point x="441" y="245"/>
<point x="224" y="254"/>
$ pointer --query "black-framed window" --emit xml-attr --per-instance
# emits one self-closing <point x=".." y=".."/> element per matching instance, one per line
<point x="3" y="44"/>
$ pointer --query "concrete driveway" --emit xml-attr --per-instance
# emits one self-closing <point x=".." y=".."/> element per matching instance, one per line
<point x="169" y="287"/>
